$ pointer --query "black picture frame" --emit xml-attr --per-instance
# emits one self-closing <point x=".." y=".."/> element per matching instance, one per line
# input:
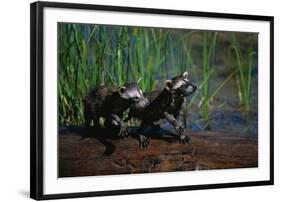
<point x="36" y="98"/>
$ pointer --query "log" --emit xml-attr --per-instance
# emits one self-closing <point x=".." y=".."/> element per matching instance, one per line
<point x="98" y="154"/>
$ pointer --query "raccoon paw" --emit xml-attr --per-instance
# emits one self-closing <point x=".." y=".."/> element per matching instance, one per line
<point x="123" y="132"/>
<point x="143" y="142"/>
<point x="179" y="129"/>
<point x="184" y="139"/>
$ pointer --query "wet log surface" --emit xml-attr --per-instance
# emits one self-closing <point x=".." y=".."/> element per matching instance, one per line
<point x="95" y="153"/>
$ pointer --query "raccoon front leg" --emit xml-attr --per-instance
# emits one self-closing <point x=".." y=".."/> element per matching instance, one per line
<point x="117" y="121"/>
<point x="88" y="119"/>
<point x="87" y="123"/>
<point x="96" y="121"/>
<point x="143" y="140"/>
<point x="179" y="129"/>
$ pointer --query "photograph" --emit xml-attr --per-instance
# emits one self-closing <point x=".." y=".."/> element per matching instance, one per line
<point x="135" y="99"/>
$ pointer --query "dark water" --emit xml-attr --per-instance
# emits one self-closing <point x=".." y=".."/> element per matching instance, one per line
<point x="227" y="121"/>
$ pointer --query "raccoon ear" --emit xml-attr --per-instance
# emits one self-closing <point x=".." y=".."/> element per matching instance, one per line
<point x="122" y="89"/>
<point x="168" y="84"/>
<point x="185" y="74"/>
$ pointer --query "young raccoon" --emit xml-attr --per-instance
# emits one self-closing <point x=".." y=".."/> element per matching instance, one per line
<point x="110" y="103"/>
<point x="183" y="88"/>
<point x="158" y="105"/>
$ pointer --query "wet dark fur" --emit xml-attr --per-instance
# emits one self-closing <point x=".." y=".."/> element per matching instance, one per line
<point x="176" y="103"/>
<point x="137" y="110"/>
<point x="156" y="107"/>
<point x="107" y="102"/>
<point x="103" y="101"/>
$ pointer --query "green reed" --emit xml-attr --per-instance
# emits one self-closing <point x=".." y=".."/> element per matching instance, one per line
<point x="244" y="64"/>
<point x="208" y="54"/>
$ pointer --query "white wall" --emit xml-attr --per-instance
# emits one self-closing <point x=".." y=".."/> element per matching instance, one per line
<point x="14" y="100"/>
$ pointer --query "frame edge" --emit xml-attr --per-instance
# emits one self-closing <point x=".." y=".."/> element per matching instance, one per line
<point x="85" y="6"/>
<point x="36" y="101"/>
<point x="271" y="90"/>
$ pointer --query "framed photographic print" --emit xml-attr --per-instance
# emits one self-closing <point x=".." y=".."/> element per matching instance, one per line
<point x="134" y="100"/>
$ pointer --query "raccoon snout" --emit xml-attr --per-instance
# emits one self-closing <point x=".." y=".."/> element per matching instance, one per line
<point x="191" y="89"/>
<point x="136" y="99"/>
<point x="194" y="87"/>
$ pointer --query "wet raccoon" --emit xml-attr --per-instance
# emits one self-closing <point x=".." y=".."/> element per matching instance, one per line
<point x="163" y="105"/>
<point x="110" y="103"/>
<point x="183" y="88"/>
